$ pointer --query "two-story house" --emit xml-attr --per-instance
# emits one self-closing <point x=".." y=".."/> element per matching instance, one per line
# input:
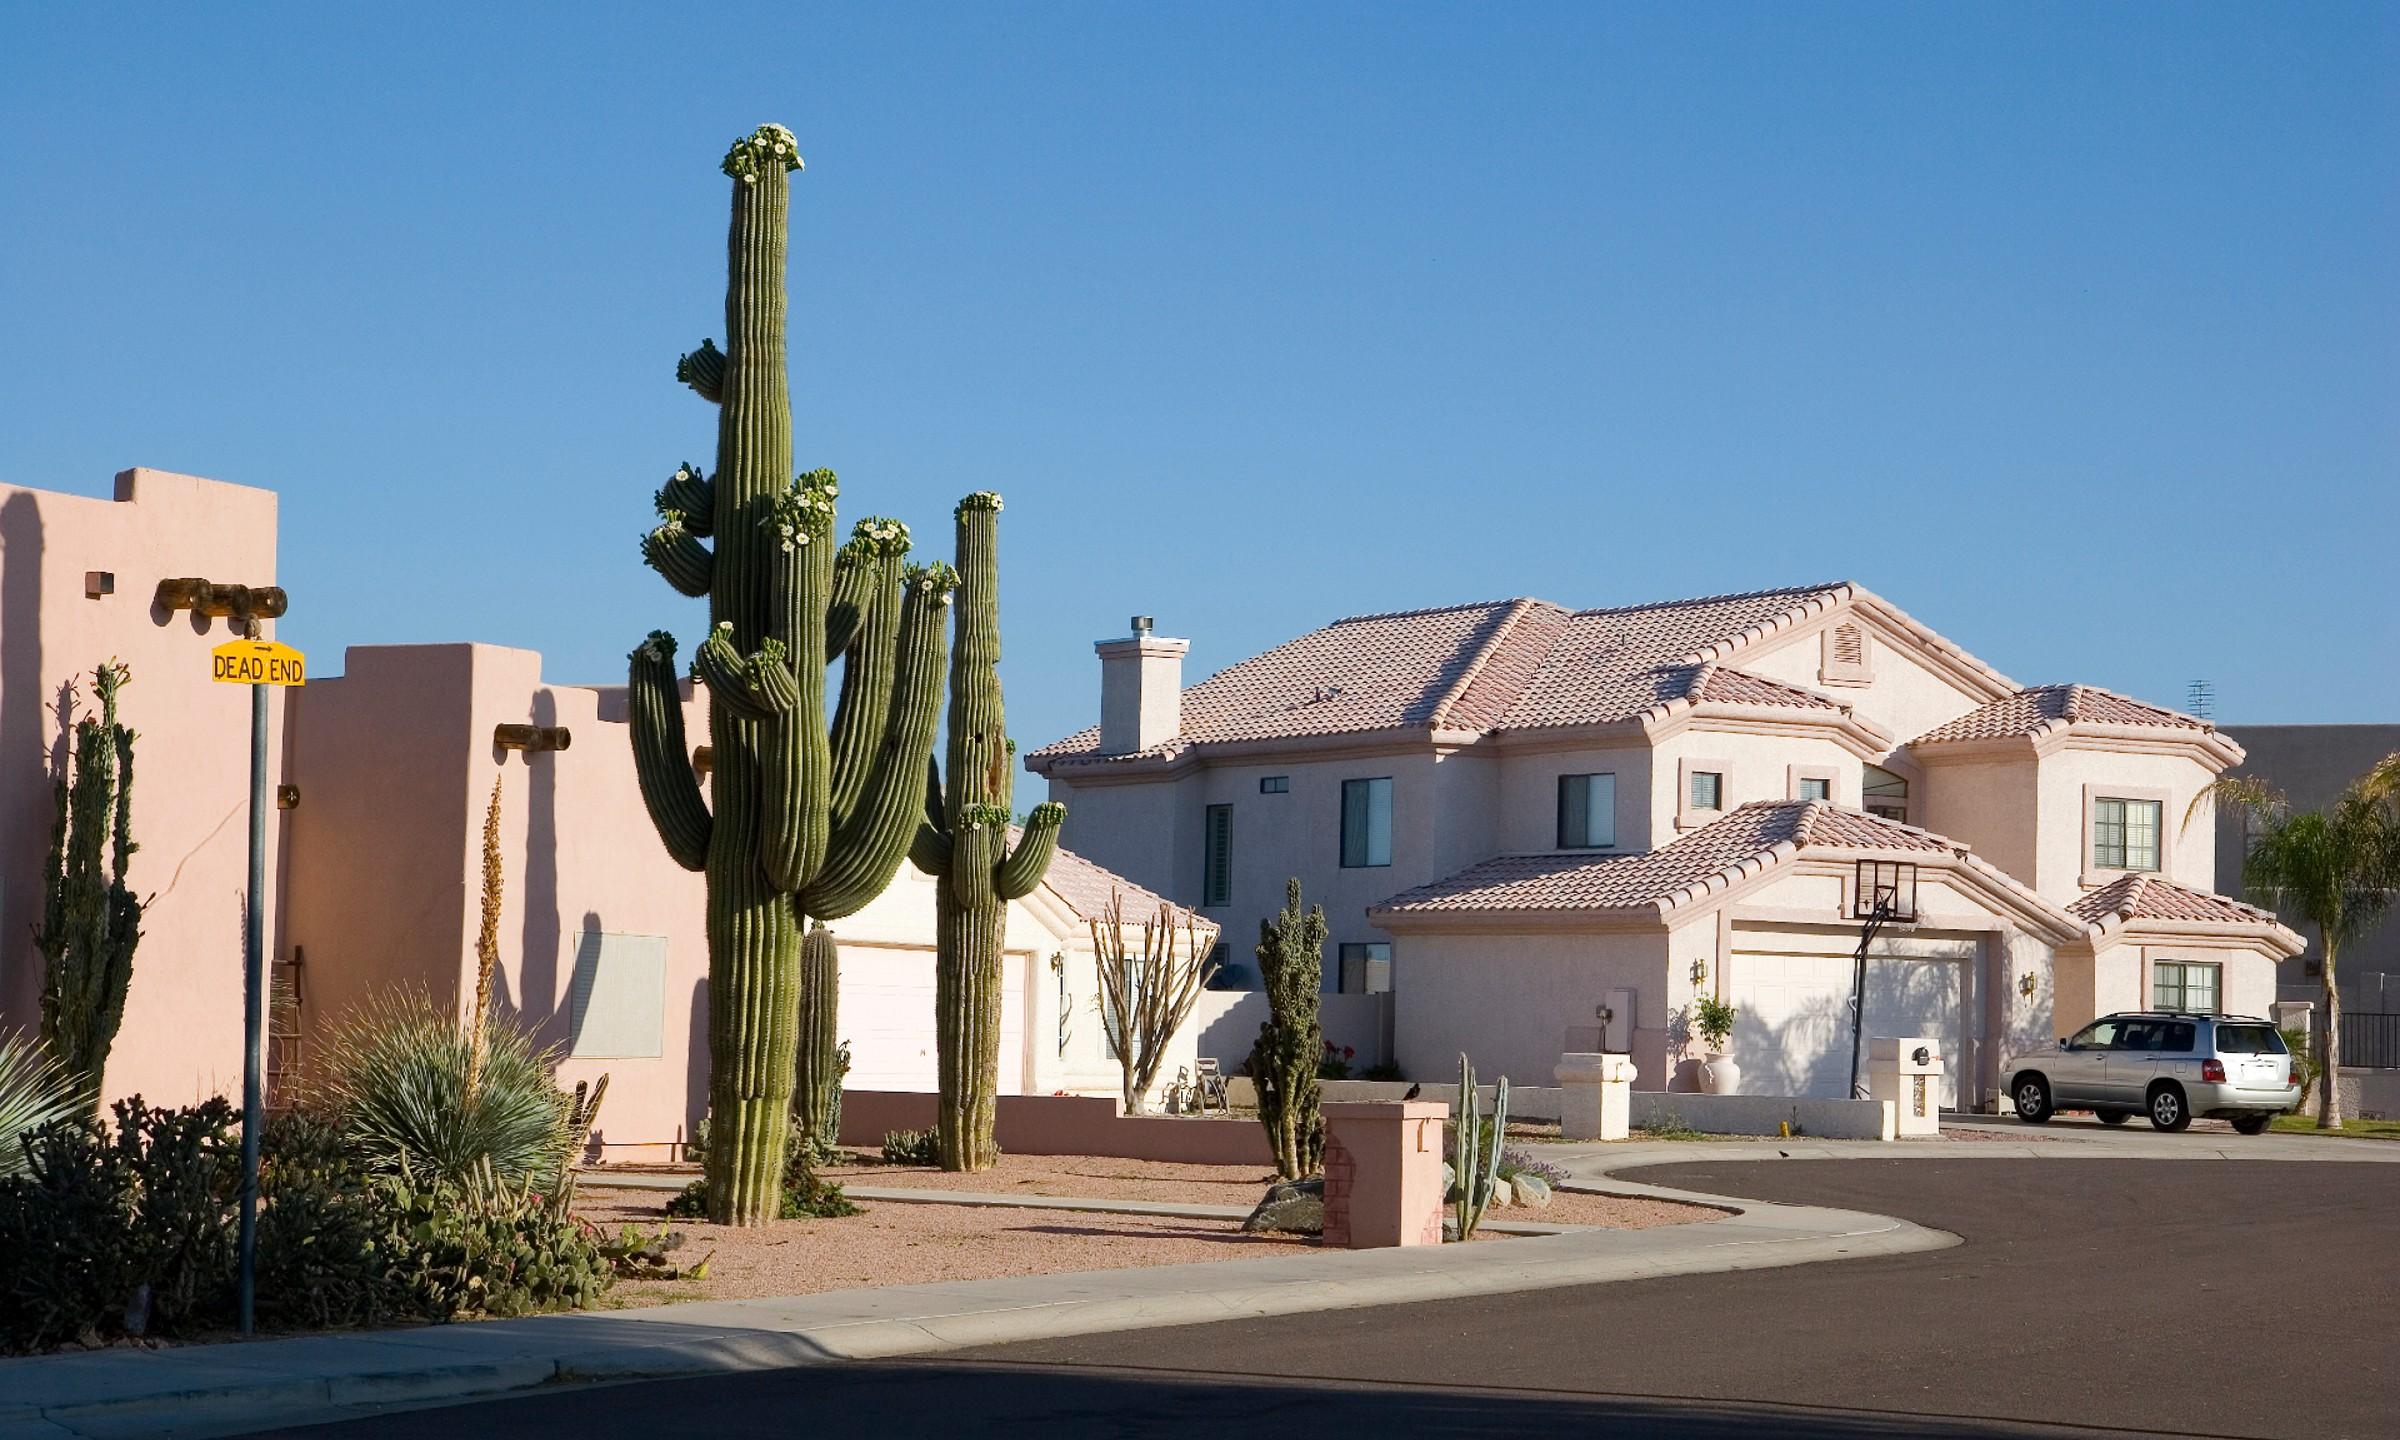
<point x="1529" y="820"/>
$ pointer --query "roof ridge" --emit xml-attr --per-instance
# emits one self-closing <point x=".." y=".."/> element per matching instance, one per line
<point x="1431" y="610"/>
<point x="1720" y="599"/>
<point x="1518" y="609"/>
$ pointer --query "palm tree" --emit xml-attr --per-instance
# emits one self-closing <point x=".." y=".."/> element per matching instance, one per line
<point x="2336" y="869"/>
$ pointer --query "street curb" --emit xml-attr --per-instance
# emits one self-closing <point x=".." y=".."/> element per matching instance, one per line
<point x="228" y="1389"/>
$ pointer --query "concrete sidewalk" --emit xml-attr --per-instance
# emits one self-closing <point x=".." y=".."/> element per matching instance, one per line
<point x="228" y="1389"/>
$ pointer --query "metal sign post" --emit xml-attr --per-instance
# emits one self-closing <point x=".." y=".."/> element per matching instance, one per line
<point x="258" y="664"/>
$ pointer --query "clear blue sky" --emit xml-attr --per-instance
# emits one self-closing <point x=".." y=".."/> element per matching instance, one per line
<point x="2075" y="331"/>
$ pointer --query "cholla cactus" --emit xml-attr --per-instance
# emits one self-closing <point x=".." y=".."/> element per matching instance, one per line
<point x="808" y="820"/>
<point x="964" y="841"/>
<point x="91" y="920"/>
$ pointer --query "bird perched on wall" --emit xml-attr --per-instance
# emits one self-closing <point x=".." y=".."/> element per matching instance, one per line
<point x="1413" y="1092"/>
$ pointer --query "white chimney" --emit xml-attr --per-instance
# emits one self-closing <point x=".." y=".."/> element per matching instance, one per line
<point x="1141" y="690"/>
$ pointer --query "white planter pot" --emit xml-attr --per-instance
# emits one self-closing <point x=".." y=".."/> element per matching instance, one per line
<point x="1724" y="1077"/>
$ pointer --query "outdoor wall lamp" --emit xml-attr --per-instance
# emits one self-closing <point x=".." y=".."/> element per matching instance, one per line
<point x="203" y="597"/>
<point x="531" y="737"/>
<point x="2027" y="984"/>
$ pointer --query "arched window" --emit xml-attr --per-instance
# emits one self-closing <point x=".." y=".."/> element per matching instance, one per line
<point x="1885" y="794"/>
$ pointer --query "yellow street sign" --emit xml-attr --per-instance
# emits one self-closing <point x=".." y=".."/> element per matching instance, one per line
<point x="257" y="662"/>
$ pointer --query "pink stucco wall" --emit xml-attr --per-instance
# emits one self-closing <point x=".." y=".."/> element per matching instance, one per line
<point x="1067" y="1125"/>
<point x="181" y="1038"/>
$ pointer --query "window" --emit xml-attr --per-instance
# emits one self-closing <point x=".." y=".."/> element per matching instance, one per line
<point x="1885" y="794"/>
<point x="1216" y="865"/>
<point x="1587" y="812"/>
<point x="1708" y="790"/>
<point x="2184" y="985"/>
<point x="2101" y="1035"/>
<point x="2250" y="1040"/>
<point x="1274" y="784"/>
<point x="1815" y="787"/>
<point x="2125" y="834"/>
<point x="1363" y="969"/>
<point x="1366" y="823"/>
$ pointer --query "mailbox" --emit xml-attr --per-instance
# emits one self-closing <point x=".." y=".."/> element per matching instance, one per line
<point x="1907" y="1070"/>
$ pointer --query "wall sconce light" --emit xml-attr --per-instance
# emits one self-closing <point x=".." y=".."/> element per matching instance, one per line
<point x="1700" y="972"/>
<point x="704" y="759"/>
<point x="2027" y="984"/>
<point x="531" y="737"/>
<point x="203" y="597"/>
<point x="97" y="583"/>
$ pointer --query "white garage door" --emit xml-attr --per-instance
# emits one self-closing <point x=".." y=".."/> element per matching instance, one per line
<point x="887" y="1016"/>
<point x="1792" y="1033"/>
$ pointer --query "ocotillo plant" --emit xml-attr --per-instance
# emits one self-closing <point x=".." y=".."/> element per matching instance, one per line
<point x="802" y="819"/>
<point x="1283" y="1065"/>
<point x="91" y="920"/>
<point x="964" y="843"/>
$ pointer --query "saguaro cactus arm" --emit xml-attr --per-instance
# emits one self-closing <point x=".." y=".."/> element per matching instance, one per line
<point x="929" y="851"/>
<point x="662" y="761"/>
<point x="877" y="556"/>
<point x="704" y="370"/>
<point x="1024" y="866"/>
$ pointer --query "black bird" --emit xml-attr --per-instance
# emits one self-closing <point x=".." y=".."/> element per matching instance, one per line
<point x="1413" y="1092"/>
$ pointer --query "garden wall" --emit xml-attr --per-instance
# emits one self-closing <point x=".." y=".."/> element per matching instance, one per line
<point x="1766" y="1114"/>
<point x="1068" y="1125"/>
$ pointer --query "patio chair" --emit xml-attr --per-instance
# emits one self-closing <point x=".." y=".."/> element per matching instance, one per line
<point x="1211" y="1087"/>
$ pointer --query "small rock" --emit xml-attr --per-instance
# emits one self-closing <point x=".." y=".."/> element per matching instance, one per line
<point x="1502" y="1196"/>
<point x="1531" y="1191"/>
<point x="1291" y="1207"/>
<point x="1450" y="1228"/>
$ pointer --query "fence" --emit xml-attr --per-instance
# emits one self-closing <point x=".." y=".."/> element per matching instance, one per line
<point x="2371" y="1039"/>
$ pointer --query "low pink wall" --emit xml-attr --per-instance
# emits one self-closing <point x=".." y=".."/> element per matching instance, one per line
<point x="1068" y="1125"/>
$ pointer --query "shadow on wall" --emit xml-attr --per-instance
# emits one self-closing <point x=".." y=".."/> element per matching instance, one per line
<point x="1808" y="1054"/>
<point x="24" y="791"/>
<point x="695" y="1064"/>
<point x="539" y="939"/>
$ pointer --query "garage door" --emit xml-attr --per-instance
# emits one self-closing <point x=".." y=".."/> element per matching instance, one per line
<point x="1792" y="1033"/>
<point x="887" y="1016"/>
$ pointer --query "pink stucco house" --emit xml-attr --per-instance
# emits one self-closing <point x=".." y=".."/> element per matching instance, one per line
<point x="385" y="770"/>
<point x="1525" y="820"/>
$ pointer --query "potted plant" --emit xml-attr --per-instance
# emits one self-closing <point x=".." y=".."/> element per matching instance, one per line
<point x="1712" y="1021"/>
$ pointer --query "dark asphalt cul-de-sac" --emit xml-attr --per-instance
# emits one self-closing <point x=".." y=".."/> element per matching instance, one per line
<point x="2202" y="1298"/>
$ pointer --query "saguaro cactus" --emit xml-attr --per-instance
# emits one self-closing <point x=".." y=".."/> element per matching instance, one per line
<point x="964" y="842"/>
<point x="802" y="819"/>
<point x="91" y="920"/>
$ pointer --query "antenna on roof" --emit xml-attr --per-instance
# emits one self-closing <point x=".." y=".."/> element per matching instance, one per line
<point x="2200" y="698"/>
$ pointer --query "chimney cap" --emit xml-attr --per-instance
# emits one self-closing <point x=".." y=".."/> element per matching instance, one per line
<point x="1142" y="624"/>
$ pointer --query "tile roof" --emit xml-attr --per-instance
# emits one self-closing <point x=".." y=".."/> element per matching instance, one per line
<point x="1085" y="886"/>
<point x="1743" y="843"/>
<point x="2147" y="897"/>
<point x="1494" y="665"/>
<point x="2044" y="708"/>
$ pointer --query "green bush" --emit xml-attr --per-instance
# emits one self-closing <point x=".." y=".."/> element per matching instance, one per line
<point x="186" y="1167"/>
<point x="488" y="1245"/>
<point x="797" y="1147"/>
<point x="805" y="1195"/>
<point x="67" y="1255"/>
<point x="396" y="1080"/>
<point x="325" y="1252"/>
<point x="911" y="1147"/>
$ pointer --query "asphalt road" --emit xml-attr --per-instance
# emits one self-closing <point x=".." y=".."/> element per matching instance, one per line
<point x="2208" y="1298"/>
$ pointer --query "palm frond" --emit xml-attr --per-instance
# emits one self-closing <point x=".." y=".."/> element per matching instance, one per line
<point x="2241" y="794"/>
<point x="35" y="1090"/>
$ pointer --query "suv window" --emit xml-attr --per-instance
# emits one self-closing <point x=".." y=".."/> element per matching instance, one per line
<point x="2178" y="1037"/>
<point x="2250" y="1040"/>
<point x="2099" y="1035"/>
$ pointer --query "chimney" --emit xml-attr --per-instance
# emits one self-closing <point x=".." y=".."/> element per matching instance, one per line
<point x="1141" y="690"/>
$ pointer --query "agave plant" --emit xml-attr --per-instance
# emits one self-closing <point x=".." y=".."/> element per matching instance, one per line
<point x="403" y="1080"/>
<point x="34" y="1091"/>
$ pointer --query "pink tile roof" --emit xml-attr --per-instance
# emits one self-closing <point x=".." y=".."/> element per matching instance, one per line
<point x="2043" y="708"/>
<point x="1495" y="665"/>
<point x="2147" y="897"/>
<point x="1086" y="885"/>
<point x="1744" y="842"/>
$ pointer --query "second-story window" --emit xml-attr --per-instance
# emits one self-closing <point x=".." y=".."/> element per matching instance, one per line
<point x="1708" y="790"/>
<point x="1366" y="823"/>
<point x="1815" y="787"/>
<point x="2125" y="834"/>
<point x="1216" y="857"/>
<point x="1587" y="812"/>
<point x="1274" y="784"/>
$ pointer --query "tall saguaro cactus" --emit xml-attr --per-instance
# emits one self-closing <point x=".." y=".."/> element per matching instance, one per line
<point x="91" y="920"/>
<point x="803" y="819"/>
<point x="964" y="843"/>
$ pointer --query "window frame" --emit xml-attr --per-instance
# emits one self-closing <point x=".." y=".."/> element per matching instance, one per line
<point x="1216" y="857"/>
<point x="1366" y="845"/>
<point x="1588" y="811"/>
<point x="1274" y="784"/>
<point x="1343" y="954"/>
<point x="2184" y="970"/>
<point x="1689" y="816"/>
<point x="2099" y="867"/>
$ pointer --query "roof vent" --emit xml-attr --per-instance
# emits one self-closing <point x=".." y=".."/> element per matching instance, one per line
<point x="1141" y="624"/>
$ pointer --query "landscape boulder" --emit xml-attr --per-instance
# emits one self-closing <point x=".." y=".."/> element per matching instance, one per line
<point x="1291" y="1207"/>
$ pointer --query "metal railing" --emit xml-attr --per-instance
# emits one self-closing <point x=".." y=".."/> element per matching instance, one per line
<point x="2371" y="1039"/>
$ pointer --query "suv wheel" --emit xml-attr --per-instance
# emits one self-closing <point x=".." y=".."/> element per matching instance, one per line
<point x="2112" y="1117"/>
<point x="2167" y="1111"/>
<point x="2251" y="1124"/>
<point x="2033" y="1099"/>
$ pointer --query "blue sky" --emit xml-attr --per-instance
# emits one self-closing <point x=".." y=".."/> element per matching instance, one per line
<point x="2073" y="330"/>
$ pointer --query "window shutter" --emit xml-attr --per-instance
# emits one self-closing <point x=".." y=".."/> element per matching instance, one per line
<point x="1849" y="645"/>
<point x="1217" y="877"/>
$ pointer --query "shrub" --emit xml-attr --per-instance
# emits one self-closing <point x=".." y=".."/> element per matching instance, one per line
<point x="1516" y="1160"/>
<point x="489" y="1245"/>
<point x="1334" y="1064"/>
<point x="66" y="1249"/>
<point x="805" y="1196"/>
<point x="1384" y="1070"/>
<point x="34" y="1091"/>
<point x="911" y="1147"/>
<point x="796" y="1146"/>
<point x="396" y="1079"/>
<point x="325" y="1229"/>
<point x="186" y="1168"/>
<point x="1712" y="1021"/>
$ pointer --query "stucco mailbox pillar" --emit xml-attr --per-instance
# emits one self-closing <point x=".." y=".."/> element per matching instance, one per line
<point x="1596" y="1095"/>
<point x="1907" y="1070"/>
<point x="1383" y="1173"/>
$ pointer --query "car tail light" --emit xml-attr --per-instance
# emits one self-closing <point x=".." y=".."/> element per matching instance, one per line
<point x="2292" y="1078"/>
<point x="2213" y="1071"/>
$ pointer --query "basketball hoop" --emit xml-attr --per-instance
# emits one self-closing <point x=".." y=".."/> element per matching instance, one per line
<point x="1885" y="892"/>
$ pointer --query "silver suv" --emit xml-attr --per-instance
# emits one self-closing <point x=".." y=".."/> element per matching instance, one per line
<point x="2168" y="1065"/>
